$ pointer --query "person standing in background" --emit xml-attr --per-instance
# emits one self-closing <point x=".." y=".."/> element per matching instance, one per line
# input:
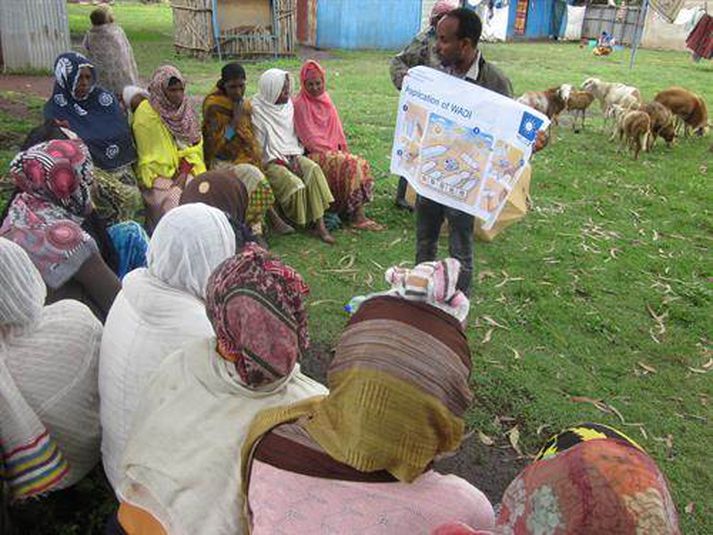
<point x="110" y="52"/>
<point x="420" y="51"/>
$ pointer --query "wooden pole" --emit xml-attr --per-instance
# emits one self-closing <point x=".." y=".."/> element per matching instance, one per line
<point x="216" y="30"/>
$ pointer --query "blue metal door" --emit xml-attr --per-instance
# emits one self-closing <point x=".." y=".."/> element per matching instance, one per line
<point x="354" y="24"/>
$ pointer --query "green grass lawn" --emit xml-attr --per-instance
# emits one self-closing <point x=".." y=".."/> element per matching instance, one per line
<point x="603" y="293"/>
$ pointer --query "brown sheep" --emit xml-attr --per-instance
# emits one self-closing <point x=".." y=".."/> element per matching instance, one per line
<point x="635" y="126"/>
<point x="551" y="101"/>
<point x="577" y="103"/>
<point x="687" y="106"/>
<point x="662" y="123"/>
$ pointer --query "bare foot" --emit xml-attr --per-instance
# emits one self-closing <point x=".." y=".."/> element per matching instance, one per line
<point x="368" y="224"/>
<point x="320" y="230"/>
<point x="277" y="224"/>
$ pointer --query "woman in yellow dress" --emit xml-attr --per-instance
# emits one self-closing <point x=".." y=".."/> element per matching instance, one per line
<point x="168" y="141"/>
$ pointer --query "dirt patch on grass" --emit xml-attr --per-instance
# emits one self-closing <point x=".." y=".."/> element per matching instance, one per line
<point x="40" y="86"/>
<point x="489" y="468"/>
<point x="15" y="108"/>
<point x="308" y="52"/>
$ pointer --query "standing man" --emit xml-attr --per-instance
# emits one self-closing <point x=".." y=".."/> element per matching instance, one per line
<point x="458" y="34"/>
<point x="421" y="51"/>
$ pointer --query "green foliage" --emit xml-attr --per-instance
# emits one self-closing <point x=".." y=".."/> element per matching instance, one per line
<point x="609" y="274"/>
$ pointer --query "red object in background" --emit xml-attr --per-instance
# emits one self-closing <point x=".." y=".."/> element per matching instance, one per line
<point x="521" y="17"/>
<point x="700" y="39"/>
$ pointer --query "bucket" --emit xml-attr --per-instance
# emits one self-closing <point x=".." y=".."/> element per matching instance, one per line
<point x="592" y="43"/>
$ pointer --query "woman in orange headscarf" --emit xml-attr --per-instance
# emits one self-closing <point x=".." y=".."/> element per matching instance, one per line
<point x="320" y="130"/>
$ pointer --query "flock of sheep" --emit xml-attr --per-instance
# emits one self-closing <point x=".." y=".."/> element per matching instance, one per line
<point x="639" y="123"/>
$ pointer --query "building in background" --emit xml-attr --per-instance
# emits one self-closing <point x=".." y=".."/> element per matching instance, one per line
<point x="32" y="33"/>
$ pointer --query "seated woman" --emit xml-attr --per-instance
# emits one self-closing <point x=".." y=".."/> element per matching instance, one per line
<point x="320" y="130"/>
<point x="53" y="219"/>
<point x="298" y="183"/>
<point x="94" y="115"/>
<point x="169" y="142"/>
<point x="361" y="457"/>
<point x="159" y="309"/>
<point x="589" y="479"/>
<point x="49" y="409"/>
<point x="229" y="140"/>
<point x="182" y="462"/>
<point x="605" y="45"/>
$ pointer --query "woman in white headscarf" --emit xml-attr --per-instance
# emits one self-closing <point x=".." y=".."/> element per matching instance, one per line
<point x="159" y="309"/>
<point x="298" y="183"/>
<point x="49" y="407"/>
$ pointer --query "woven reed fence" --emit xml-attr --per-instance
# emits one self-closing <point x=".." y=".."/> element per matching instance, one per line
<point x="194" y="35"/>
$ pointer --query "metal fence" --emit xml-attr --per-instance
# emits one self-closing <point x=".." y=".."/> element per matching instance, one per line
<point x="32" y="33"/>
<point x="619" y="22"/>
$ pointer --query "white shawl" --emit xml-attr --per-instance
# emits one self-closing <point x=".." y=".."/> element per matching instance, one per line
<point x="274" y="123"/>
<point x="159" y="309"/>
<point x="49" y="407"/>
<point x="182" y="461"/>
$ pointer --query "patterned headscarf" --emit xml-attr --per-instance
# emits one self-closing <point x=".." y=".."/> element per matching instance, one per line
<point x="181" y="121"/>
<point x="601" y="485"/>
<point x="442" y="7"/>
<point x="255" y="304"/>
<point x="433" y="283"/>
<point x="45" y="219"/>
<point x="97" y="118"/>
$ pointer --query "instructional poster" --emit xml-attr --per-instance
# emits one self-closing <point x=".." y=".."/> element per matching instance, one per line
<point x="460" y="144"/>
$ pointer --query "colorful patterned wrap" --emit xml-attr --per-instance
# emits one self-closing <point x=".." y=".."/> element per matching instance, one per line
<point x="45" y="218"/>
<point x="255" y="304"/>
<point x="603" y="484"/>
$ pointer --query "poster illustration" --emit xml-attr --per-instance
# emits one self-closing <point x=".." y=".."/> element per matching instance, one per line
<point x="460" y="144"/>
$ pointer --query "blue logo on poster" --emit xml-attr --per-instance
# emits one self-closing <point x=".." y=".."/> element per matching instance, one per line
<point x="529" y="125"/>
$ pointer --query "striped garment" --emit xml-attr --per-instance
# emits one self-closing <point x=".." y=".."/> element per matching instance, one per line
<point x="35" y="467"/>
<point x="49" y="408"/>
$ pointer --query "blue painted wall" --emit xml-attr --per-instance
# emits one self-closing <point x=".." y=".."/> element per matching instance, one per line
<point x="354" y="24"/>
<point x="539" y="19"/>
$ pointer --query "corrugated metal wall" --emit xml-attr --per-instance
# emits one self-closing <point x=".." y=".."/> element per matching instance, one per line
<point x="33" y="33"/>
<point x="621" y="23"/>
<point x="355" y="24"/>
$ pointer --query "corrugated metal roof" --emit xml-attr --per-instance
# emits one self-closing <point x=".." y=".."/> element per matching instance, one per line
<point x="33" y="33"/>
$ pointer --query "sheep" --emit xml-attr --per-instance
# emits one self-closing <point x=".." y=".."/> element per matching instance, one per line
<point x="687" y="106"/>
<point x="551" y="101"/>
<point x="662" y="123"/>
<point x="635" y="126"/>
<point x="608" y="94"/>
<point x="577" y="103"/>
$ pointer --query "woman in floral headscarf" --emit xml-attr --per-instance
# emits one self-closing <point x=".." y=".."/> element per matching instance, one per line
<point x="52" y="217"/>
<point x="168" y="140"/>
<point x="176" y="482"/>
<point x="93" y="114"/>
<point x="320" y="130"/>
<point x="589" y="479"/>
<point x="360" y="460"/>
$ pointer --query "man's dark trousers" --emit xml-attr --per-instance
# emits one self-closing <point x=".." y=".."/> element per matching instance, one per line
<point x="429" y="218"/>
